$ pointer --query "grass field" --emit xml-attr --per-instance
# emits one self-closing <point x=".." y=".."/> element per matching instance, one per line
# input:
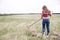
<point x="14" y="27"/>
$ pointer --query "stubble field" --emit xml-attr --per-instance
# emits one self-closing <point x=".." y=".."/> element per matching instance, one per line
<point x="15" y="27"/>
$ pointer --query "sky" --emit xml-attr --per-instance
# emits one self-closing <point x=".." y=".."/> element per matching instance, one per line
<point x="28" y="6"/>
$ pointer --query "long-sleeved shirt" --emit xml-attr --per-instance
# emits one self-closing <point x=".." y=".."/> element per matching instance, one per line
<point x="45" y="15"/>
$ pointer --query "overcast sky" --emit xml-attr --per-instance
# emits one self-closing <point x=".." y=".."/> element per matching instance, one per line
<point x="28" y="6"/>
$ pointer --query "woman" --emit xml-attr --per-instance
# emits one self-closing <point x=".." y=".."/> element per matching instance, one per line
<point x="45" y="20"/>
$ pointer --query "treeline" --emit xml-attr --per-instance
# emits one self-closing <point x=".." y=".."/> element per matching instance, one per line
<point x="24" y="14"/>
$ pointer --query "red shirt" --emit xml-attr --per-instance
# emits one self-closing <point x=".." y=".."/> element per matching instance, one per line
<point x="46" y="14"/>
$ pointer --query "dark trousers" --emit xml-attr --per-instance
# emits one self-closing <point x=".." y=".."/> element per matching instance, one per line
<point x="45" y="23"/>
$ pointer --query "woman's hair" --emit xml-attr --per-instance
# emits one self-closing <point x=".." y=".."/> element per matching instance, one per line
<point x="44" y="7"/>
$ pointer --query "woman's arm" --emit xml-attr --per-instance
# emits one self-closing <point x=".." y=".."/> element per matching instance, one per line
<point x="50" y="14"/>
<point x="42" y="15"/>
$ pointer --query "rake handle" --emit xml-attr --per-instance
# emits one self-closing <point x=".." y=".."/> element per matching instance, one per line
<point x="34" y="23"/>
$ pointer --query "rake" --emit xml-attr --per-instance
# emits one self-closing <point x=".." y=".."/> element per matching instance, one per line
<point x="33" y="23"/>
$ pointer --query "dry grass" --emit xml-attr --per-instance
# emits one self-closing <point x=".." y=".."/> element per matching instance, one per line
<point x="15" y="27"/>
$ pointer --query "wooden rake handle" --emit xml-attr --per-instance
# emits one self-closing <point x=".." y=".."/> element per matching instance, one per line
<point x="34" y="23"/>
